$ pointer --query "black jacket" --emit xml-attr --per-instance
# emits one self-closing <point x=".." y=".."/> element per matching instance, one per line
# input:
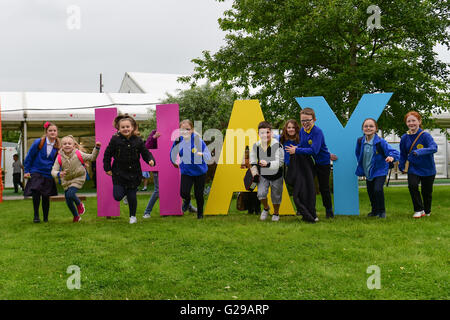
<point x="126" y="167"/>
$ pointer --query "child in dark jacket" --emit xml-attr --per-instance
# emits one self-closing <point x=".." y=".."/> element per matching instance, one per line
<point x="193" y="153"/>
<point x="126" y="147"/>
<point x="417" y="148"/>
<point x="374" y="154"/>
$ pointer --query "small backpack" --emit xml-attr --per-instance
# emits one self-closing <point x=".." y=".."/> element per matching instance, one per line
<point x="78" y="153"/>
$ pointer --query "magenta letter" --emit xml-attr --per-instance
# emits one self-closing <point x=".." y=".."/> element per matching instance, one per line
<point x="106" y="205"/>
<point x="167" y="120"/>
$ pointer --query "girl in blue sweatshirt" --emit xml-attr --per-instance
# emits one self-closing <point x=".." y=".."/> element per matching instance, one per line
<point x="193" y="153"/>
<point x="312" y="143"/>
<point x="373" y="155"/>
<point x="38" y="167"/>
<point x="418" y="163"/>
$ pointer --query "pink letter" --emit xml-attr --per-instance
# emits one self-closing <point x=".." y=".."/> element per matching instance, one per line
<point x="106" y="205"/>
<point x="167" y="120"/>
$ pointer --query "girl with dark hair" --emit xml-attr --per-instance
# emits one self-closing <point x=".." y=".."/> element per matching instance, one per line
<point x="373" y="155"/>
<point x="126" y="147"/>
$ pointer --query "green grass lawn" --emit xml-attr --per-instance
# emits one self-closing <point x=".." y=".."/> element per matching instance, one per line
<point x="227" y="257"/>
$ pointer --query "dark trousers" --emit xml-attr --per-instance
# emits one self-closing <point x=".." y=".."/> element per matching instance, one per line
<point x="17" y="181"/>
<point x="421" y="202"/>
<point x="323" y="176"/>
<point x="199" y="187"/>
<point x="253" y="203"/>
<point x="376" y="194"/>
<point x="119" y="192"/>
<point x="45" y="204"/>
<point x="72" y="200"/>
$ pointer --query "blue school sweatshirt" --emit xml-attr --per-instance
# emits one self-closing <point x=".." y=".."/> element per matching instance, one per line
<point x="37" y="161"/>
<point x="286" y="154"/>
<point x="378" y="166"/>
<point x="190" y="163"/>
<point x="313" y="143"/>
<point x="421" y="158"/>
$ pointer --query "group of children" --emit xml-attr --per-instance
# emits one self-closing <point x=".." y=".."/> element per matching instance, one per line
<point x="298" y="156"/>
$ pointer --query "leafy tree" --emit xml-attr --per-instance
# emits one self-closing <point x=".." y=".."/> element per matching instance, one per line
<point x="292" y="48"/>
<point x="207" y="103"/>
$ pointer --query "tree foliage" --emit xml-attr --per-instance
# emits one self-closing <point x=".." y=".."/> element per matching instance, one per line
<point x="207" y="103"/>
<point x="292" y="48"/>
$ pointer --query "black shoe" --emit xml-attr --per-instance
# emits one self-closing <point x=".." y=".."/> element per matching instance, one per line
<point x="308" y="217"/>
<point x="36" y="220"/>
<point x="329" y="214"/>
<point x="199" y="216"/>
<point x="382" y="215"/>
<point x="372" y="214"/>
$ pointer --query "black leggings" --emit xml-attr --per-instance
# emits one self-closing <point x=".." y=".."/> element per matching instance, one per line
<point x="119" y="192"/>
<point x="421" y="200"/>
<point x="199" y="187"/>
<point x="45" y="204"/>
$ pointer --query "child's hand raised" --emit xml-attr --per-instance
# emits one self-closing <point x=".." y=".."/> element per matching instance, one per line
<point x="151" y="163"/>
<point x="109" y="173"/>
<point x="98" y="144"/>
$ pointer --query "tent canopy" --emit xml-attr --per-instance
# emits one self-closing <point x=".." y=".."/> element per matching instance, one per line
<point x="74" y="113"/>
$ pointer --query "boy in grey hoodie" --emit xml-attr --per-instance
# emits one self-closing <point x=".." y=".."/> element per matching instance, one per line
<point x="268" y="156"/>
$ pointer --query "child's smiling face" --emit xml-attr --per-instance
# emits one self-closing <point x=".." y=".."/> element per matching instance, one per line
<point x="126" y="128"/>
<point x="67" y="145"/>
<point x="413" y="123"/>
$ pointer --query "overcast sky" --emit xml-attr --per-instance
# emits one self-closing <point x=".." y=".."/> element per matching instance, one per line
<point x="40" y="52"/>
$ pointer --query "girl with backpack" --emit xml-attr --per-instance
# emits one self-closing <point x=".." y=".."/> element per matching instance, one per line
<point x="374" y="155"/>
<point x="70" y="169"/>
<point x="38" y="166"/>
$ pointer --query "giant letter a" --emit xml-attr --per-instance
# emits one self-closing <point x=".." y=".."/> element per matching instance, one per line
<point x="241" y="132"/>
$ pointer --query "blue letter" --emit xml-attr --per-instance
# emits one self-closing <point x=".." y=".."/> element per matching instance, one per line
<point x="342" y="143"/>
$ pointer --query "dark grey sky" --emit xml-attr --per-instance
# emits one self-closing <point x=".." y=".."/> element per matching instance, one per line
<point x="38" y="52"/>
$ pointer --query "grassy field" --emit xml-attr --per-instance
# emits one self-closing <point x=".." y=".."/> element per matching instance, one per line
<point x="227" y="257"/>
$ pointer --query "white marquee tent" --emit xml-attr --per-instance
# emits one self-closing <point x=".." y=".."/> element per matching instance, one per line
<point x="74" y="113"/>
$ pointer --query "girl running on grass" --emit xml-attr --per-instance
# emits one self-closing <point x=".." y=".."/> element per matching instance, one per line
<point x="373" y="155"/>
<point x="193" y="153"/>
<point x="38" y="166"/>
<point x="126" y="147"/>
<point x="417" y="149"/>
<point x="70" y="168"/>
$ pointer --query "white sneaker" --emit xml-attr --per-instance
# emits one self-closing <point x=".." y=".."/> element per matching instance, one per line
<point x="428" y="214"/>
<point x="133" y="220"/>
<point x="264" y="214"/>
<point x="316" y="219"/>
<point x="125" y="200"/>
<point x="275" y="217"/>
<point x="418" y="214"/>
<point x="146" y="216"/>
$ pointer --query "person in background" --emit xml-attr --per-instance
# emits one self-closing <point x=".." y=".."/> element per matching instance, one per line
<point x="17" y="173"/>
